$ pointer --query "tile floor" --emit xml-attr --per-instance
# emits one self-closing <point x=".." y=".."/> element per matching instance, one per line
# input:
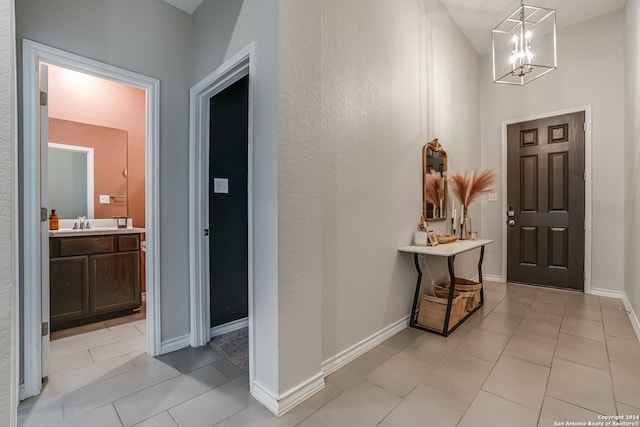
<point x="529" y="357"/>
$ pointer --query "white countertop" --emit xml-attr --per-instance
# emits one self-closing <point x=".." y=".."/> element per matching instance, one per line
<point x="447" y="249"/>
<point x="95" y="231"/>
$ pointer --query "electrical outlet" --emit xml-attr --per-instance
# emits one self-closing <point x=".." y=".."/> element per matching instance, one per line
<point x="220" y="185"/>
<point x="104" y="199"/>
<point x="493" y="197"/>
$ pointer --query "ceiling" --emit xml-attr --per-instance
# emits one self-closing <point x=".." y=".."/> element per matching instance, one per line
<point x="476" y="18"/>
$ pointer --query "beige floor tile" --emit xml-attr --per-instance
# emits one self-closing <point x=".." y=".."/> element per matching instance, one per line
<point x="615" y="312"/>
<point x="553" y="308"/>
<point x="489" y="410"/>
<point x="76" y="343"/>
<point x="518" y="380"/>
<point x="582" y="328"/>
<point x="620" y="328"/>
<point x="556" y="411"/>
<point x="118" y="348"/>
<point x="534" y="348"/>
<point x="257" y="415"/>
<point x="548" y="297"/>
<point x="580" y="298"/>
<point x="104" y="416"/>
<point x="146" y="403"/>
<point x="426" y="406"/>
<point x="437" y="346"/>
<point x="38" y="412"/>
<point x="352" y="373"/>
<point x="189" y="358"/>
<point x="400" y="341"/>
<point x="581" y="385"/>
<point x="583" y="351"/>
<point x="484" y="344"/>
<point x="626" y="383"/>
<point x="627" y="410"/>
<point x="460" y="375"/>
<point x="513" y="305"/>
<point x="589" y="312"/>
<point x="611" y="302"/>
<point x="161" y="420"/>
<point x="70" y="362"/>
<point x="229" y="369"/>
<point x="214" y="406"/>
<point x="501" y="323"/>
<point x="98" y="394"/>
<point x="624" y="352"/>
<point x="365" y="404"/>
<point x="403" y="372"/>
<point x="540" y="325"/>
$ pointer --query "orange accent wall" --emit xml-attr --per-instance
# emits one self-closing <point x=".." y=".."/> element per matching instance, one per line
<point x="85" y="99"/>
<point x="110" y="158"/>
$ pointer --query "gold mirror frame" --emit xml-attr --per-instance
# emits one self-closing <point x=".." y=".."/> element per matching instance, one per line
<point x="427" y="153"/>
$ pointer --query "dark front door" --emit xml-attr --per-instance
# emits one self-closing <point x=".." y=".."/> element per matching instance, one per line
<point x="545" y="189"/>
<point x="228" y="203"/>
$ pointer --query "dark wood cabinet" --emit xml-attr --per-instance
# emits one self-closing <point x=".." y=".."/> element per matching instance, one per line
<point x="93" y="277"/>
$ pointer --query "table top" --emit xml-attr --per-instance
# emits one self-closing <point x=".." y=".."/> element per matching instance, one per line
<point x="447" y="249"/>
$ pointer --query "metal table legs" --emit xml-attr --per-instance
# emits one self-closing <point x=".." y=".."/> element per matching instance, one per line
<point x="416" y="296"/>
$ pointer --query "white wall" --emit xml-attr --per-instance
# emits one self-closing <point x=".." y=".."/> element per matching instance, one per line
<point x="300" y="192"/>
<point x="152" y="38"/>
<point x="590" y="72"/>
<point x="374" y="124"/>
<point x="632" y="155"/>
<point x="220" y="29"/>
<point x="8" y="196"/>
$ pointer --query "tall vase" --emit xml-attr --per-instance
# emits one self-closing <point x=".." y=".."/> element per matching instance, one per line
<point x="465" y="225"/>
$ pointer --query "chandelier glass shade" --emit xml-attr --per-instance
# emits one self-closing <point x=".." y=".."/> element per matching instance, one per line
<point x="523" y="45"/>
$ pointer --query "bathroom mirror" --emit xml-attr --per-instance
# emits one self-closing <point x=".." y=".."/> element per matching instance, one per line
<point x="87" y="162"/>
<point x="434" y="158"/>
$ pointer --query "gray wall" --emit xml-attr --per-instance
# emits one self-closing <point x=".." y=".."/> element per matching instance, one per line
<point x="221" y="28"/>
<point x="152" y="38"/>
<point x="7" y="216"/>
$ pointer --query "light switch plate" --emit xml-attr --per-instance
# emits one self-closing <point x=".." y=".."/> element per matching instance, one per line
<point x="493" y="197"/>
<point x="104" y="198"/>
<point x="221" y="185"/>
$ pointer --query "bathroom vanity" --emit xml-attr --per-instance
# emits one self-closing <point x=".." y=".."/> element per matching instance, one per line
<point x="94" y="274"/>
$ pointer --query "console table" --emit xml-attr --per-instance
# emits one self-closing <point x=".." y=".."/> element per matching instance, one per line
<point x="449" y="250"/>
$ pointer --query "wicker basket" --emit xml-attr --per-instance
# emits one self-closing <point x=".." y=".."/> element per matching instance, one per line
<point x="433" y="309"/>
<point x="469" y="290"/>
<point x="446" y="238"/>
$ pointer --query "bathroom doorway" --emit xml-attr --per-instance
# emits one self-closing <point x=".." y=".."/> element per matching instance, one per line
<point x="39" y="100"/>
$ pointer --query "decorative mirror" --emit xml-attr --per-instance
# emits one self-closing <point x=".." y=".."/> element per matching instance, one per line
<point x="434" y="159"/>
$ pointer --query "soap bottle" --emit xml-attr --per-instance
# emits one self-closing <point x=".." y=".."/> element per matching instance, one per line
<point x="53" y="220"/>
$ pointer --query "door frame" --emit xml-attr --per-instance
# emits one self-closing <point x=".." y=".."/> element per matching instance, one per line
<point x="587" y="186"/>
<point x="32" y="54"/>
<point x="236" y="67"/>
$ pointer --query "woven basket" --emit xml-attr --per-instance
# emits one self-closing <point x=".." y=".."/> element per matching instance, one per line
<point x="469" y="290"/>
<point x="433" y="310"/>
<point x="446" y="238"/>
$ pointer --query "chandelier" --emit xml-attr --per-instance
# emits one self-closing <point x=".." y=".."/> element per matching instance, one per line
<point x="523" y="45"/>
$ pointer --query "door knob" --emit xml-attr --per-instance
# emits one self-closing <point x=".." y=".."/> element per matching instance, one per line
<point x="511" y="222"/>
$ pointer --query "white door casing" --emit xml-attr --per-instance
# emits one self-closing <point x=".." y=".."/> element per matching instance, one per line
<point x="33" y="54"/>
<point x="44" y="222"/>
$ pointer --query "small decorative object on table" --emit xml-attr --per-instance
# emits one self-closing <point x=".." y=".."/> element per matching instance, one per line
<point x="433" y="240"/>
<point x="421" y="237"/>
<point x="466" y="189"/>
<point x="446" y="238"/>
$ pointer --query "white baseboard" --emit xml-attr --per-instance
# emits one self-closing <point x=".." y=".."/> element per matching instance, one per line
<point x="279" y="405"/>
<point x="228" y="327"/>
<point x="632" y="316"/>
<point x="174" y="344"/>
<point x="493" y="278"/>
<point x="607" y="293"/>
<point x="339" y="360"/>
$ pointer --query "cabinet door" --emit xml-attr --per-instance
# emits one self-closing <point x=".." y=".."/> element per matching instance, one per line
<point x="115" y="282"/>
<point x="69" y="282"/>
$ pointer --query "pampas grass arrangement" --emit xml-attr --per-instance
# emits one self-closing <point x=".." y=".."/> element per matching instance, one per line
<point x="467" y="188"/>
<point x="433" y="188"/>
